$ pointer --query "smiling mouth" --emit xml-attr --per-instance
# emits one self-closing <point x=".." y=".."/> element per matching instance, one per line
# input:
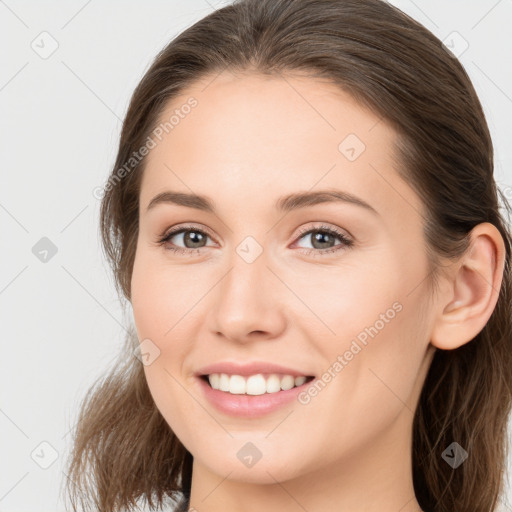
<point x="258" y="384"/>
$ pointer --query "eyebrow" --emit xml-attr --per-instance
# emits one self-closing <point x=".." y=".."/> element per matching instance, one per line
<point x="284" y="204"/>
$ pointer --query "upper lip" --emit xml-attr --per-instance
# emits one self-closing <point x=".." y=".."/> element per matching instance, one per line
<point x="232" y="368"/>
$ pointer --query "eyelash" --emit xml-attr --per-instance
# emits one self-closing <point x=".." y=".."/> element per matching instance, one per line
<point x="345" y="241"/>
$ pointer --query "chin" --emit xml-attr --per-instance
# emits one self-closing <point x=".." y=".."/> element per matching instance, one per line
<point x="267" y="470"/>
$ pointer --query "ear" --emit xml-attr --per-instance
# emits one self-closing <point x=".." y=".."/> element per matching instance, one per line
<point x="472" y="290"/>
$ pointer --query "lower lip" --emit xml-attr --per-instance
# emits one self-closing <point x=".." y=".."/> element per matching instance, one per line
<point x="249" y="406"/>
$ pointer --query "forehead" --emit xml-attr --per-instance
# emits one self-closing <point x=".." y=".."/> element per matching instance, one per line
<point x="251" y="135"/>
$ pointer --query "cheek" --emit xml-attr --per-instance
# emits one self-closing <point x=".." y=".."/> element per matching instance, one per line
<point x="382" y="297"/>
<point x="343" y="301"/>
<point x="163" y="300"/>
<point x="162" y="297"/>
<point x="160" y="305"/>
<point x="379" y="319"/>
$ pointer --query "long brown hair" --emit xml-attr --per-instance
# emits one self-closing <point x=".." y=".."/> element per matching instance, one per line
<point x="123" y="449"/>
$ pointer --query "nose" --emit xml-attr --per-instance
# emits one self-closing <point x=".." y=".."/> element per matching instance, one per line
<point x="247" y="303"/>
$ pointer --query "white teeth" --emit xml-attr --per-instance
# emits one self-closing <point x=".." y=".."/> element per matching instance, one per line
<point x="299" y="381"/>
<point x="237" y="385"/>
<point x="254" y="384"/>
<point x="214" y="379"/>
<point x="224" y="382"/>
<point x="287" y="382"/>
<point x="273" y="384"/>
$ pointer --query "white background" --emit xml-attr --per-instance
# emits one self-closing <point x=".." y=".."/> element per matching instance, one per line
<point x="62" y="323"/>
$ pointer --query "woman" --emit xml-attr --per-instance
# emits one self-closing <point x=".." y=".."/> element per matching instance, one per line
<point x="303" y="217"/>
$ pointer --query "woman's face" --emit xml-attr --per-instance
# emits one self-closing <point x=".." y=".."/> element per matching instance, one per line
<point x="250" y="285"/>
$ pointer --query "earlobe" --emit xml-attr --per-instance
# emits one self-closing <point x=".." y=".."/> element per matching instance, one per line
<point x="473" y="290"/>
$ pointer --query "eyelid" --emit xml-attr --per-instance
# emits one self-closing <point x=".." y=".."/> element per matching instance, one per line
<point x="324" y="227"/>
<point x="347" y="240"/>
<point x="174" y="230"/>
<point x="302" y="230"/>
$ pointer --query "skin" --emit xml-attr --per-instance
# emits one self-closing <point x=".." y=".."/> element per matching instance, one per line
<point x="249" y="141"/>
